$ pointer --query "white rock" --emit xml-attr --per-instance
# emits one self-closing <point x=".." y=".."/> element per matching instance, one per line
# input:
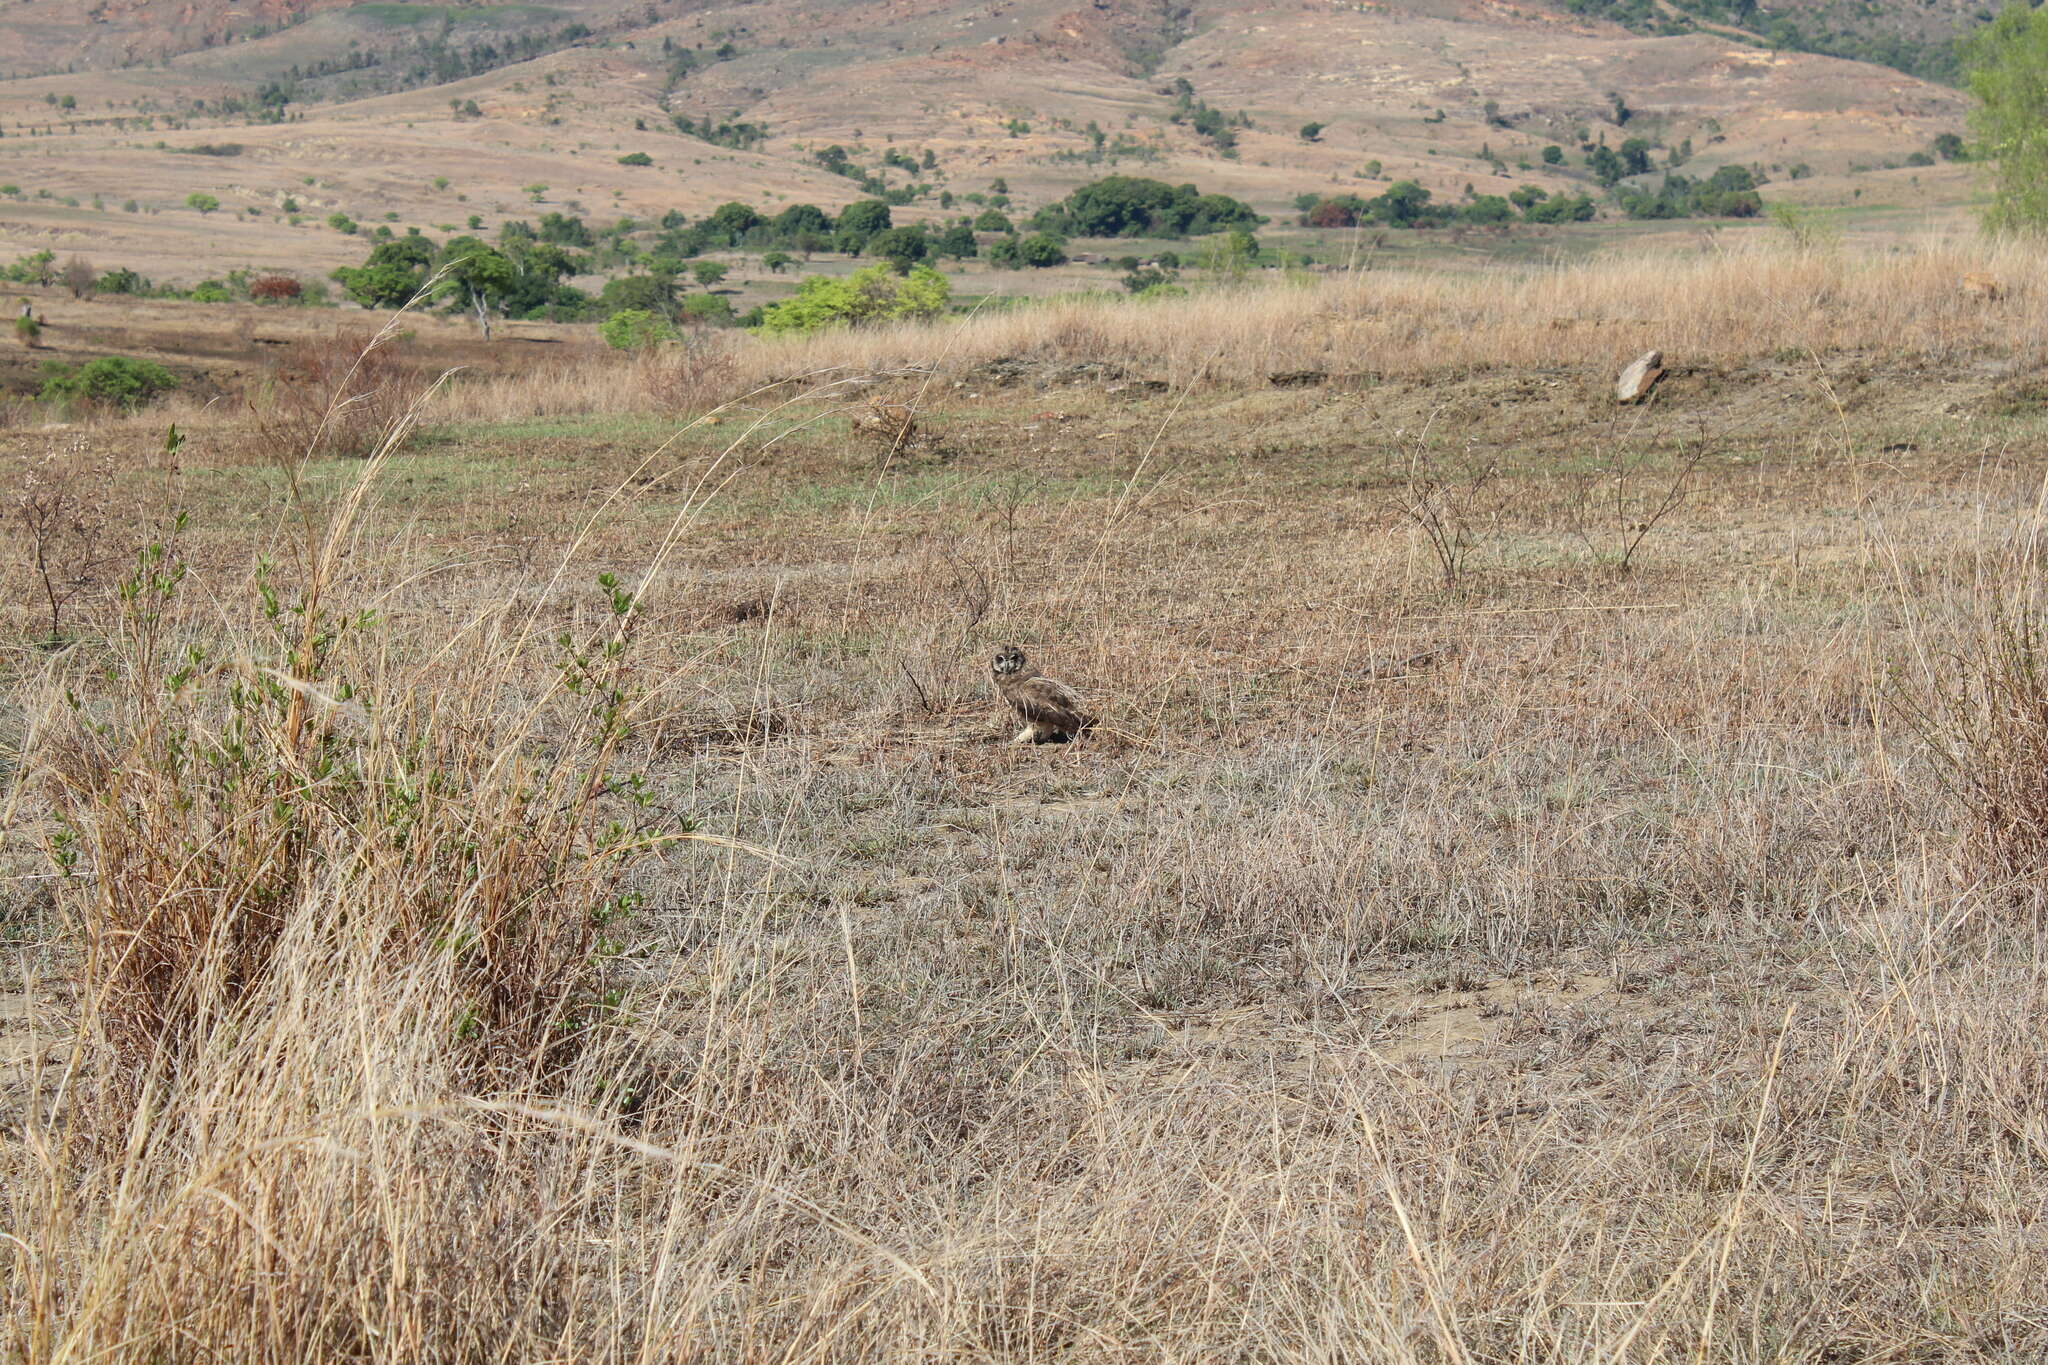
<point x="1640" y="377"/>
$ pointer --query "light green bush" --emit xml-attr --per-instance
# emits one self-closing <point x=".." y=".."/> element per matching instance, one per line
<point x="873" y="294"/>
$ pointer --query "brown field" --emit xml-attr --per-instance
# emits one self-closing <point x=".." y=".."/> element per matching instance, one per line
<point x="1550" y="880"/>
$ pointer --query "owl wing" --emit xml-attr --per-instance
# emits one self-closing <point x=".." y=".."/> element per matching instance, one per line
<point x="1044" y="701"/>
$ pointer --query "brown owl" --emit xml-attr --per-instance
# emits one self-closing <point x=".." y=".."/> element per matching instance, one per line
<point x="1051" y="711"/>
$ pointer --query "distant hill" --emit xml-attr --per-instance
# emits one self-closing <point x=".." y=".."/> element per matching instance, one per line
<point x="427" y="114"/>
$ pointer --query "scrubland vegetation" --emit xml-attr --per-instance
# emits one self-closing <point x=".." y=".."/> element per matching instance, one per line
<point x="519" y="868"/>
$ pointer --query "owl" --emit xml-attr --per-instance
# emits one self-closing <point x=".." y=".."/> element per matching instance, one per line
<point x="1051" y="711"/>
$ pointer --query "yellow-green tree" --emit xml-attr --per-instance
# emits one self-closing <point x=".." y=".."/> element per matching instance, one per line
<point x="2009" y="76"/>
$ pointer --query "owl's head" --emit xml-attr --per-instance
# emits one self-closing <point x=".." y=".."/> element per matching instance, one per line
<point x="1009" y="659"/>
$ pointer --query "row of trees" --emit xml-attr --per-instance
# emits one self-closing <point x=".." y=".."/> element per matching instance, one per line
<point x="1406" y="204"/>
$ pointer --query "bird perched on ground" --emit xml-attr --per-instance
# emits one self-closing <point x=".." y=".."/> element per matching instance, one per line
<point x="1051" y="711"/>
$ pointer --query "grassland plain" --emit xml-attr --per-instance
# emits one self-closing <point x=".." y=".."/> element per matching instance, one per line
<point x="1552" y="881"/>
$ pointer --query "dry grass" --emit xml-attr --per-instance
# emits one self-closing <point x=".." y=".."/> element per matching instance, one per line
<point x="1558" y="964"/>
<point x="1708" y="307"/>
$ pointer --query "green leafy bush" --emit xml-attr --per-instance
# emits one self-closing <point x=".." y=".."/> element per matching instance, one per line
<point x="635" y="329"/>
<point x="874" y="294"/>
<point x="115" y="380"/>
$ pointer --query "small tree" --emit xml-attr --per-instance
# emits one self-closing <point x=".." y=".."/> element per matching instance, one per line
<point x="635" y="329"/>
<point x="1312" y="132"/>
<point x="1042" y="250"/>
<point x="776" y="261"/>
<point x="79" y="277"/>
<point x="479" y="275"/>
<point x="708" y="273"/>
<point x="202" y="201"/>
<point x="2008" y="64"/>
<point x="636" y="159"/>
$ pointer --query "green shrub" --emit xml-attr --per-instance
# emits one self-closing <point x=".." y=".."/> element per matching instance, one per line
<point x="202" y="201"/>
<point x="342" y="223"/>
<point x="122" y="281"/>
<point x="118" y="380"/>
<point x="873" y="294"/>
<point x="1042" y="250"/>
<point x="210" y="291"/>
<point x="635" y="329"/>
<point x="636" y="159"/>
<point x="27" y="330"/>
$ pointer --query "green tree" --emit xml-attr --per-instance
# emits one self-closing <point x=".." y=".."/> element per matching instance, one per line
<point x="862" y="220"/>
<point x="479" y="276"/>
<point x="1311" y="132"/>
<point x="640" y="294"/>
<point x="393" y="275"/>
<point x="708" y="273"/>
<point x="2008" y="65"/>
<point x="202" y="201"/>
<point x="901" y="247"/>
<point x="776" y="261"/>
<point x="732" y="221"/>
<point x="1402" y="203"/>
<point x="1553" y="155"/>
<point x="636" y="159"/>
<point x="799" y="219"/>
<point x="1042" y="250"/>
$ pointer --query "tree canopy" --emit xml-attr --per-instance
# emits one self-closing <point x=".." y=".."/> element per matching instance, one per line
<point x="2008" y="63"/>
<point x="1133" y="206"/>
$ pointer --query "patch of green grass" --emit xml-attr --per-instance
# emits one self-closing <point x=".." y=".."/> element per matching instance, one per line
<point x="595" y="427"/>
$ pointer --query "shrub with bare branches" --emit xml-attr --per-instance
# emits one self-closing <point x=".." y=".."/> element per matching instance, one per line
<point x="340" y="395"/>
<point x="60" y="508"/>
<point x="80" y="277"/>
<point x="275" y="289"/>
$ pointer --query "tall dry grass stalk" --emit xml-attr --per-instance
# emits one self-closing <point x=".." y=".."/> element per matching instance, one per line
<point x="1973" y="690"/>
